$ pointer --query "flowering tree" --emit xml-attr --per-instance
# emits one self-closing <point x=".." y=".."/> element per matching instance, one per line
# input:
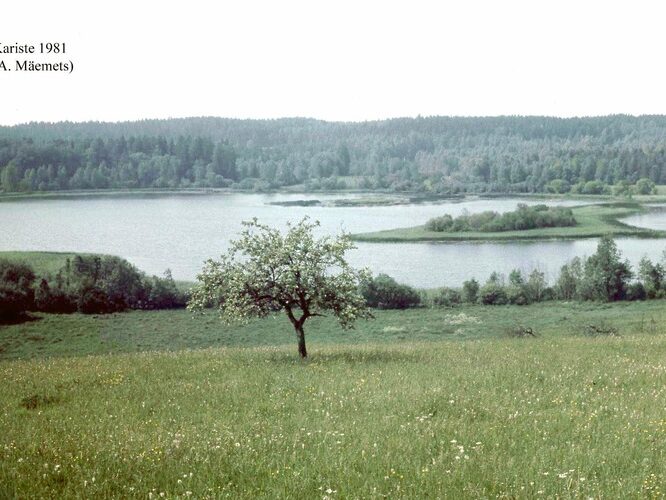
<point x="267" y="271"/>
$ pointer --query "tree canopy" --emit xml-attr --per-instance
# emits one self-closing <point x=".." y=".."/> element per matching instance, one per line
<point x="427" y="154"/>
<point x="266" y="271"/>
<point x="521" y="219"/>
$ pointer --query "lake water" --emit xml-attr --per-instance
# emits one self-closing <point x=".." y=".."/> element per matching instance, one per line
<point x="654" y="218"/>
<point x="180" y="232"/>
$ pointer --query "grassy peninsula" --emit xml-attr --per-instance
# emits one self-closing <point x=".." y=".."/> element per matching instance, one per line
<point x="591" y="221"/>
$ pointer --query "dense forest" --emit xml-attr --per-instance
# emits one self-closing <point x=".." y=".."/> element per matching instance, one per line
<point x="424" y="154"/>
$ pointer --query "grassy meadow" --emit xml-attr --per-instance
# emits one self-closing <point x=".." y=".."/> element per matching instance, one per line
<point x="424" y="403"/>
<point x="52" y="335"/>
<point x="592" y="221"/>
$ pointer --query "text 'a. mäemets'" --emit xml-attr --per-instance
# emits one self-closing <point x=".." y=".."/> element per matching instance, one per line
<point x="34" y="66"/>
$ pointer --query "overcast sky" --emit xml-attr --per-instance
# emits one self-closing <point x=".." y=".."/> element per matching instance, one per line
<point x="337" y="60"/>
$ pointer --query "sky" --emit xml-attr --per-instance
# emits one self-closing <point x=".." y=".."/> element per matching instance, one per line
<point x="335" y="60"/>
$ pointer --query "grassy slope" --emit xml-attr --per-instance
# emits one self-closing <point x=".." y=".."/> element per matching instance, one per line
<point x="593" y="221"/>
<point x="49" y="263"/>
<point x="137" y="331"/>
<point x="42" y="263"/>
<point x="556" y="416"/>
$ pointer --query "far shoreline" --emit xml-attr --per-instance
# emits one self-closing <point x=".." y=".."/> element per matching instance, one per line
<point x="389" y="197"/>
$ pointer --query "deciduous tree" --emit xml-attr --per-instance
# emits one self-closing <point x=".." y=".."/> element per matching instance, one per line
<point x="267" y="271"/>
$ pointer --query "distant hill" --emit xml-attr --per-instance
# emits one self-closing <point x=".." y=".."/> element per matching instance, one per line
<point x="430" y="154"/>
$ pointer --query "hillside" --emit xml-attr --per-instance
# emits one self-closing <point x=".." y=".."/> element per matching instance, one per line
<point x="431" y="154"/>
<point x="561" y="415"/>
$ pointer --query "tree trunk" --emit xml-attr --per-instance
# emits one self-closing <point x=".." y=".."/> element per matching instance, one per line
<point x="300" y="335"/>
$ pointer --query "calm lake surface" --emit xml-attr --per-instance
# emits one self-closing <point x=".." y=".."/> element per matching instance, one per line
<point x="655" y="218"/>
<point x="181" y="231"/>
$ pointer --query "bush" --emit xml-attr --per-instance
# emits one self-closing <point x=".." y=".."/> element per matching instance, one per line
<point x="15" y="272"/>
<point x="163" y="293"/>
<point x="14" y="301"/>
<point x="440" y="224"/>
<point x="493" y="294"/>
<point x="558" y="186"/>
<point x="594" y="187"/>
<point x="383" y="292"/>
<point x="447" y="297"/>
<point x="549" y="293"/>
<point x="605" y="275"/>
<point x="646" y="186"/>
<point x="53" y="300"/>
<point x="522" y="218"/>
<point x="103" y="284"/>
<point x="93" y="300"/>
<point x="470" y="291"/>
<point x="516" y="295"/>
<point x="16" y="292"/>
<point x="535" y="286"/>
<point x="636" y="291"/>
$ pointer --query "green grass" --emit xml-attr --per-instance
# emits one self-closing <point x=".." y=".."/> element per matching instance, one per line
<point x="559" y="416"/>
<point x="138" y="331"/>
<point x="49" y="263"/>
<point x="43" y="263"/>
<point x="592" y="221"/>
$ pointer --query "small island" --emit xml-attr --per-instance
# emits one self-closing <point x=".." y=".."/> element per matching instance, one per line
<point x="525" y="223"/>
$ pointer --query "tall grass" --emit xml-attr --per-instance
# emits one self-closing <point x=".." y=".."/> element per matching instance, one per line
<point x="139" y="331"/>
<point x="558" y="417"/>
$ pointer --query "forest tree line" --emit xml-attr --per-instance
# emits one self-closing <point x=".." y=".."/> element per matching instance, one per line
<point x="432" y="154"/>
<point x="103" y="284"/>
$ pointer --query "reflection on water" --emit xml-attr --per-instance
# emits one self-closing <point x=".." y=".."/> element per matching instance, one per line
<point x="655" y="218"/>
<point x="180" y="232"/>
<point x="436" y="264"/>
